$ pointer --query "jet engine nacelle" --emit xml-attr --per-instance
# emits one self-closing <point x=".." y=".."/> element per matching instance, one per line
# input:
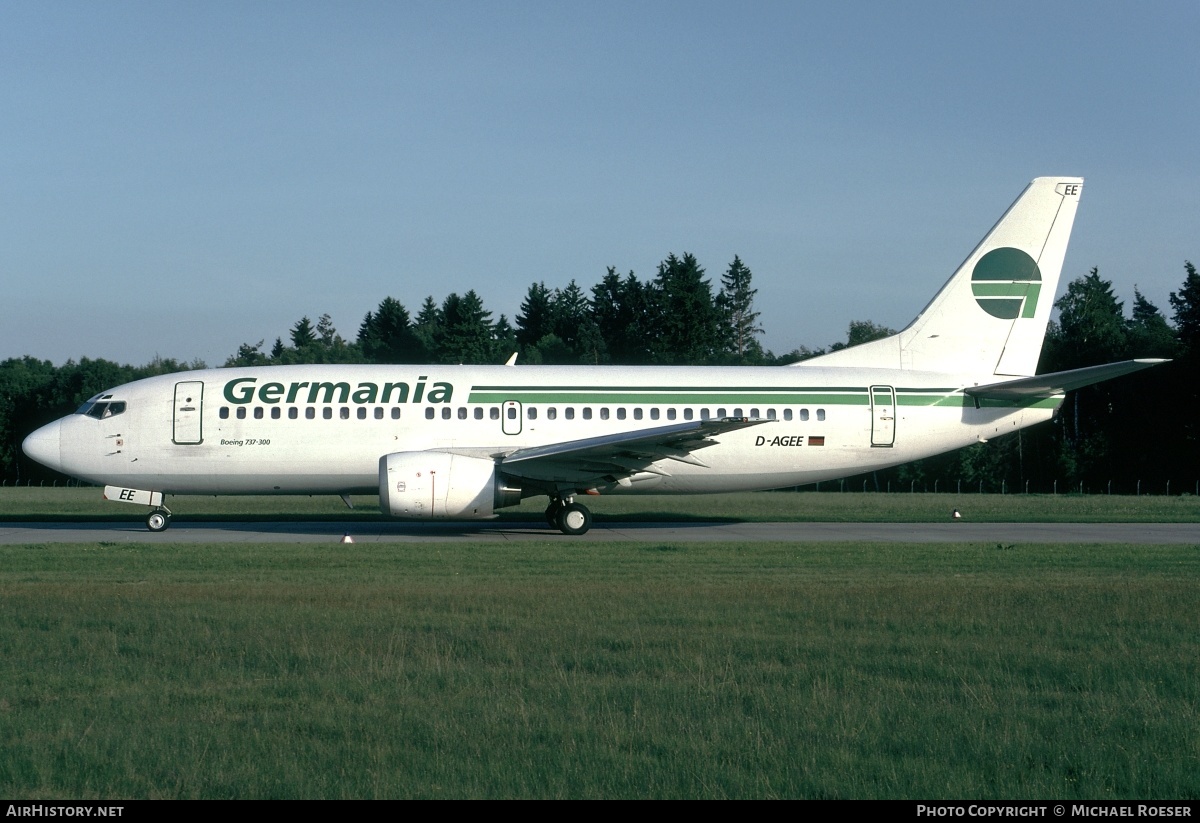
<point x="441" y="485"/>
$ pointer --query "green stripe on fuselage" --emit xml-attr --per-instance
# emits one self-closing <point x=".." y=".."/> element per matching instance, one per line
<point x="741" y="396"/>
<point x="682" y="395"/>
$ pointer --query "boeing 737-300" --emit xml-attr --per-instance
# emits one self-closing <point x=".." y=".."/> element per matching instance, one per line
<point x="460" y="442"/>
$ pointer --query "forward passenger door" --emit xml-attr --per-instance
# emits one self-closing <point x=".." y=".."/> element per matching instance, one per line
<point x="188" y="427"/>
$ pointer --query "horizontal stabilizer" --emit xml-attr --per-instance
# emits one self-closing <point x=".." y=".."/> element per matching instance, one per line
<point x="1046" y="385"/>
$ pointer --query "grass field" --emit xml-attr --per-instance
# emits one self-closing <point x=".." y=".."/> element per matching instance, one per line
<point x="87" y="504"/>
<point x="626" y="670"/>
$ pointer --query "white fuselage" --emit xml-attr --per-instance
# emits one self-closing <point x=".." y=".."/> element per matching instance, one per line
<point x="323" y="429"/>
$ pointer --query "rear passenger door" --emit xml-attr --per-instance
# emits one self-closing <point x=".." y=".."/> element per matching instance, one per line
<point x="883" y="416"/>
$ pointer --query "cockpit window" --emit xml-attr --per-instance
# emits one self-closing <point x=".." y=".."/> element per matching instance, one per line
<point x="102" y="409"/>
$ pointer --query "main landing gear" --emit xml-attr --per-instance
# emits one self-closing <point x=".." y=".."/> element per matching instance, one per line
<point x="158" y="520"/>
<point x="568" y="516"/>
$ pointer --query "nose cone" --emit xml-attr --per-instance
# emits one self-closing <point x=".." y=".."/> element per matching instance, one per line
<point x="44" y="445"/>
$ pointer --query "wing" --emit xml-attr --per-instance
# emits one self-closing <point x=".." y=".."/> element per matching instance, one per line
<point x="615" y="456"/>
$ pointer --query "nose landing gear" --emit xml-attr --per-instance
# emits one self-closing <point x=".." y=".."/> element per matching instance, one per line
<point x="158" y="520"/>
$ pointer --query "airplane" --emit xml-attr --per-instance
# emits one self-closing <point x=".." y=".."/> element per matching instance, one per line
<point x="460" y="442"/>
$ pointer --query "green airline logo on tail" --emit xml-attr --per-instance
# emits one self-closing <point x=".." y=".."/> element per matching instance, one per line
<point x="1006" y="283"/>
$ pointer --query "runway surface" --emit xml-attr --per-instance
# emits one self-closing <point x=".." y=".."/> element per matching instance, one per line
<point x="376" y="532"/>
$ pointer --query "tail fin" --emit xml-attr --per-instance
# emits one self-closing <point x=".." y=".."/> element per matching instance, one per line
<point x="991" y="315"/>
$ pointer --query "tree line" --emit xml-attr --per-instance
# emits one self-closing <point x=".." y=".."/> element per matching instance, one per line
<point x="1141" y="427"/>
<point x="674" y="318"/>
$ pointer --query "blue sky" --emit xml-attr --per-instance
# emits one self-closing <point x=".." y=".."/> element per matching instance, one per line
<point x="180" y="178"/>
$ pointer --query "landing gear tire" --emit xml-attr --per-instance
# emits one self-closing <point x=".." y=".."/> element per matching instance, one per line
<point x="157" y="521"/>
<point x="574" y="518"/>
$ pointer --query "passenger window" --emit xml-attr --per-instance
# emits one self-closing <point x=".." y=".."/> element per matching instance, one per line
<point x="654" y="413"/>
<point x="327" y="413"/>
<point x="344" y="413"/>
<point x="704" y="414"/>
<point x="820" y="414"/>
<point x="479" y="412"/>
<point x="551" y="413"/>
<point x="275" y="413"/>
<point x="362" y="413"/>
<point x="604" y="414"/>
<point x="620" y="414"/>
<point x="804" y="415"/>
<point x="738" y="413"/>
<point x="687" y="414"/>
<point x="446" y="413"/>
<point x="637" y="414"/>
<point x="587" y="413"/>
<point x="293" y="413"/>
<point x="787" y="414"/>
<point x="429" y="413"/>
<point x="310" y="413"/>
<point x="770" y="414"/>
<point x="379" y="412"/>
<point x="224" y="413"/>
<point x="720" y="414"/>
<point x="462" y="412"/>
<point x="670" y="414"/>
<point x="531" y="413"/>
<point x="569" y="412"/>
<point x="494" y="412"/>
<point x="395" y="412"/>
<point x="241" y="413"/>
<point x="754" y="413"/>
<point x="258" y="413"/>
